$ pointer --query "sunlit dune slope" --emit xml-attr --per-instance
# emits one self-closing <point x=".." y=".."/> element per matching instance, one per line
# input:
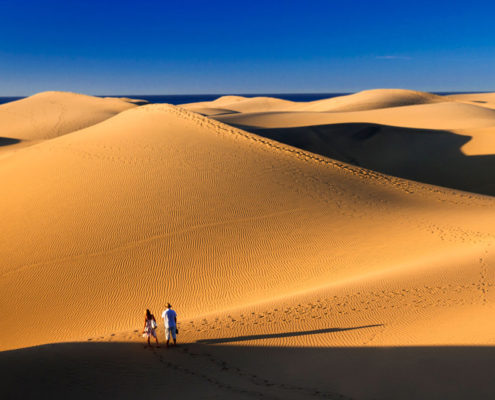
<point x="372" y="99"/>
<point x="448" y="115"/>
<point x="160" y="204"/>
<point x="50" y="114"/>
<point x="365" y="100"/>
<point x="481" y="99"/>
<point x="482" y="142"/>
<point x="243" y="104"/>
<point x="210" y="111"/>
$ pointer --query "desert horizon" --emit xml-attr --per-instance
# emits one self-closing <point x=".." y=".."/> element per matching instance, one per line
<point x="301" y="244"/>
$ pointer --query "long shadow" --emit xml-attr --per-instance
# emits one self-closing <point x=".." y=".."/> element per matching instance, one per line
<point x="281" y="335"/>
<point x="423" y="155"/>
<point x="5" y="141"/>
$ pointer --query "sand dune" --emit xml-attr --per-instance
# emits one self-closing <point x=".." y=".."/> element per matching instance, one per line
<point x="463" y="160"/>
<point x="482" y="141"/>
<point x="365" y="100"/>
<point x="244" y="104"/>
<point x="50" y="114"/>
<point x="373" y="99"/>
<point x="480" y="99"/>
<point x="450" y="116"/>
<point x="288" y="269"/>
<point x="180" y="203"/>
<point x="210" y="111"/>
<point x="447" y="143"/>
<point x="85" y="370"/>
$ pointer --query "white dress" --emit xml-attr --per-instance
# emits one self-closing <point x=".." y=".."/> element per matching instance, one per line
<point x="149" y="330"/>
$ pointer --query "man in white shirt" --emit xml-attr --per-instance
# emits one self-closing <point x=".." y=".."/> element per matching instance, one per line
<point x="170" y="321"/>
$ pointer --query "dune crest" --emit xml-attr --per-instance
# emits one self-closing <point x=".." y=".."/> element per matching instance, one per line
<point x="372" y="100"/>
<point x="361" y="101"/>
<point x="441" y="140"/>
<point x="486" y="100"/>
<point x="51" y="114"/>
<point x="244" y="104"/>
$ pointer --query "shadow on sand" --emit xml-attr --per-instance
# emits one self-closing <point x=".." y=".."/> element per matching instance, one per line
<point x="429" y="156"/>
<point x="280" y="335"/>
<point x="199" y="371"/>
<point x="5" y="141"/>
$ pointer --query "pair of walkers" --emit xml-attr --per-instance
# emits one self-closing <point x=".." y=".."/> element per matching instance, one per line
<point x="169" y="320"/>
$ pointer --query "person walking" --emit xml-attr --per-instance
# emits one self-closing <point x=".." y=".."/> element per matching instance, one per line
<point x="149" y="327"/>
<point x="170" y="320"/>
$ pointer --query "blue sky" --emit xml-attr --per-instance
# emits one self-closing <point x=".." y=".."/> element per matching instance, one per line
<point x="180" y="47"/>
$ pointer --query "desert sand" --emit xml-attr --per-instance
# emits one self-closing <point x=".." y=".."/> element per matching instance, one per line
<point x="48" y="115"/>
<point x="342" y="248"/>
<point x="445" y="141"/>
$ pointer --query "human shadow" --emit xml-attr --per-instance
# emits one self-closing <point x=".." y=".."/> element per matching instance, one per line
<point x="281" y="335"/>
<point x="5" y="141"/>
<point x="424" y="155"/>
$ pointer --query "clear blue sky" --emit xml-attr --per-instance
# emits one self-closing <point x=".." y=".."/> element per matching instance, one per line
<point x="176" y="47"/>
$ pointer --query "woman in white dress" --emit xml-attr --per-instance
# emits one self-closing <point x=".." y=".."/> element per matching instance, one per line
<point x="149" y="327"/>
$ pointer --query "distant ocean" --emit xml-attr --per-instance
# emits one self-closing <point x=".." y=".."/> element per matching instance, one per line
<point x="193" y="98"/>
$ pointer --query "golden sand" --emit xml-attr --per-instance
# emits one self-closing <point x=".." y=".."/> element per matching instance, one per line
<point x="294" y="275"/>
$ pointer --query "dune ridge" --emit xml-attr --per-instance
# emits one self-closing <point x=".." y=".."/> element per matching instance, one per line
<point x="445" y="141"/>
<point x="486" y="100"/>
<point x="50" y="114"/>
<point x="372" y="100"/>
<point x="450" y="116"/>
<point x="361" y="101"/>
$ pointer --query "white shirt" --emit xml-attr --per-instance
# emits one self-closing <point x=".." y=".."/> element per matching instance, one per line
<point x="169" y="317"/>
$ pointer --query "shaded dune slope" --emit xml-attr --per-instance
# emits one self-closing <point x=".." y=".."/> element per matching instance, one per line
<point x="449" y="143"/>
<point x="160" y="204"/>
<point x="431" y="156"/>
<point x="85" y="370"/>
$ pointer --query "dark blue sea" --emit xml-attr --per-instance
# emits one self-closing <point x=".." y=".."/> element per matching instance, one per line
<point x="193" y="98"/>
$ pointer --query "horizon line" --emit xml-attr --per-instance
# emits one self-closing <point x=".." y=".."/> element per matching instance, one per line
<point x="243" y="93"/>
